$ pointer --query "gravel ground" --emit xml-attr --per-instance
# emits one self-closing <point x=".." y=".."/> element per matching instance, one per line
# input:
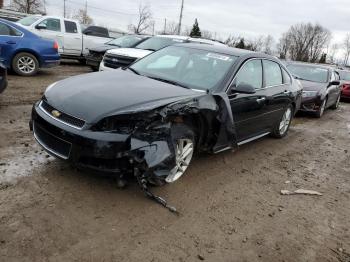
<point x="230" y="204"/>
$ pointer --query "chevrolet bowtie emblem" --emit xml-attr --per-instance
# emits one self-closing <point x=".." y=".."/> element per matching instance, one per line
<point x="56" y="113"/>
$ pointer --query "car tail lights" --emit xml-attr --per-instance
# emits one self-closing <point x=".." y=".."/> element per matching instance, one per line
<point x="346" y="87"/>
<point x="55" y="45"/>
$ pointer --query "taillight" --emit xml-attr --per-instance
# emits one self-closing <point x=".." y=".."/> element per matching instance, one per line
<point x="346" y="87"/>
<point x="55" y="45"/>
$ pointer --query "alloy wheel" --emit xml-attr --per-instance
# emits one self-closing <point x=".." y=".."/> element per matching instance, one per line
<point x="285" y="122"/>
<point x="26" y="65"/>
<point x="184" y="153"/>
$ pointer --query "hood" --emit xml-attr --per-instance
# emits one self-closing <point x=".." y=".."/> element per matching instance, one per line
<point x="103" y="48"/>
<point x="94" y="96"/>
<point x="313" y="86"/>
<point x="130" y="52"/>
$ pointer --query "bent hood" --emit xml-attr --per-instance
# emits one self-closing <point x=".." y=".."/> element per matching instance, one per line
<point x="312" y="86"/>
<point x="96" y="95"/>
<point x="130" y="52"/>
<point x="102" y="48"/>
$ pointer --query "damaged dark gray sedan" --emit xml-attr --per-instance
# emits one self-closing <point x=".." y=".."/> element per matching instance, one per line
<point x="149" y="119"/>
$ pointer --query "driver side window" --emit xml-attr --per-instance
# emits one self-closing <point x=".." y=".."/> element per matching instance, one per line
<point x="51" y="24"/>
<point x="251" y="73"/>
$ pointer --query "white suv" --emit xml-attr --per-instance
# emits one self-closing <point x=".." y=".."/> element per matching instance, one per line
<point x="123" y="57"/>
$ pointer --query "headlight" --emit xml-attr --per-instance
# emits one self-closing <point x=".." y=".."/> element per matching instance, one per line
<point x="310" y="93"/>
<point x="117" y="124"/>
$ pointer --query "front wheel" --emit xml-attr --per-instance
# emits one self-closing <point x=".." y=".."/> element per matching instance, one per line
<point x="282" y="127"/>
<point x="322" y="108"/>
<point x="25" y="64"/>
<point x="183" y="139"/>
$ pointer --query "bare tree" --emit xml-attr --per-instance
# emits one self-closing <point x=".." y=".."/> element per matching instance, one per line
<point x="346" y="45"/>
<point x="283" y="46"/>
<point x="83" y="17"/>
<point x="144" y="20"/>
<point x="28" y="6"/>
<point x="268" y="44"/>
<point x="206" y="34"/>
<point x="232" y="40"/>
<point x="256" y="44"/>
<point x="171" y="29"/>
<point x="306" y="42"/>
<point x="332" y="53"/>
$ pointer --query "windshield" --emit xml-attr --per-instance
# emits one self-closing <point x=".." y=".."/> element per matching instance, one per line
<point x="156" y="43"/>
<point x="309" y="73"/>
<point x="29" y="20"/>
<point x="125" y="41"/>
<point x="192" y="68"/>
<point x="344" y="75"/>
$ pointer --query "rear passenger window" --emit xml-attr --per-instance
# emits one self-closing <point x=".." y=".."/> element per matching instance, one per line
<point x="273" y="74"/>
<point x="286" y="77"/>
<point x="4" y="29"/>
<point x="71" y="27"/>
<point x="251" y="74"/>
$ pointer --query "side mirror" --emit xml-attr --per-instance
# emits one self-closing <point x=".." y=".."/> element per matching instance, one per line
<point x="243" y="88"/>
<point x="39" y="26"/>
<point x="334" y="83"/>
<point x="87" y="32"/>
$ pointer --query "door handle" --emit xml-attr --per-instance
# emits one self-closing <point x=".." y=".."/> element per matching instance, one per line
<point x="286" y="92"/>
<point x="11" y="42"/>
<point x="260" y="100"/>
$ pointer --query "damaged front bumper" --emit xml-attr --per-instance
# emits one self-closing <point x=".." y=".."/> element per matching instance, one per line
<point x="102" y="151"/>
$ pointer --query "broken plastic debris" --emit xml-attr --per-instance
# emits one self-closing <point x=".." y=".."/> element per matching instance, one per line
<point x="301" y="192"/>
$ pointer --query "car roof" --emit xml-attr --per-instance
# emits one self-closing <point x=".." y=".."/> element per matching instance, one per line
<point x="328" y="67"/>
<point x="173" y="37"/>
<point x="222" y="49"/>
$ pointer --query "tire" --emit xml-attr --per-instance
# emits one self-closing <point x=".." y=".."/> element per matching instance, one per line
<point x="336" y="104"/>
<point x="282" y="127"/>
<point x="183" y="137"/>
<point x="82" y="61"/>
<point x="322" y="108"/>
<point x="25" y="64"/>
<point x="94" y="68"/>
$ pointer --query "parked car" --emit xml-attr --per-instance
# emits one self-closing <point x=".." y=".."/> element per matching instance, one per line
<point x="95" y="55"/>
<point x="122" y="57"/>
<point x="3" y="77"/>
<point x="25" y="52"/>
<point x="345" y="83"/>
<point x="72" y="42"/>
<point x="321" y="86"/>
<point x="150" y="118"/>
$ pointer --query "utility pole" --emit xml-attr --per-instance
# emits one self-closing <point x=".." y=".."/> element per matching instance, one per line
<point x="86" y="13"/>
<point x="64" y="8"/>
<point x="164" y="26"/>
<point x="180" y="22"/>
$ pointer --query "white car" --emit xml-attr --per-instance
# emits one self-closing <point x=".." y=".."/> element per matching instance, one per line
<point x="122" y="57"/>
<point x="67" y="32"/>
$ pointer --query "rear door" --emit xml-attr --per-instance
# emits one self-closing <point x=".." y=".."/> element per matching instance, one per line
<point x="73" y="40"/>
<point x="333" y="90"/>
<point x="9" y="39"/>
<point x="277" y="90"/>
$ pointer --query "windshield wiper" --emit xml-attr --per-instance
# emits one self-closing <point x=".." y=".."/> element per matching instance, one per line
<point x="169" y="81"/>
<point x="132" y="70"/>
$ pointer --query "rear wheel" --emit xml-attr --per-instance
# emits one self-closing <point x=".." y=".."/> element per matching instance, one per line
<point x="322" y="108"/>
<point x="282" y="127"/>
<point x="25" y="64"/>
<point x="336" y="104"/>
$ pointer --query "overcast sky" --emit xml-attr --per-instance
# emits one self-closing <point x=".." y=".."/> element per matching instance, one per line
<point x="239" y="17"/>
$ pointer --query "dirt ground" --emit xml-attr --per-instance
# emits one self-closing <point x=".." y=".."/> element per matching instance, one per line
<point x="230" y="204"/>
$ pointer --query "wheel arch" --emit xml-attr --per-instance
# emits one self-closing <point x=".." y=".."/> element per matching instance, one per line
<point x="30" y="51"/>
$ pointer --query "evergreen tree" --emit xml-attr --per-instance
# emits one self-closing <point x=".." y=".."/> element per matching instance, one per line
<point x="323" y="58"/>
<point x="196" y="32"/>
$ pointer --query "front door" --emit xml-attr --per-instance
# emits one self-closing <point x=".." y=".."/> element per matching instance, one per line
<point x="248" y="110"/>
<point x="52" y="29"/>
